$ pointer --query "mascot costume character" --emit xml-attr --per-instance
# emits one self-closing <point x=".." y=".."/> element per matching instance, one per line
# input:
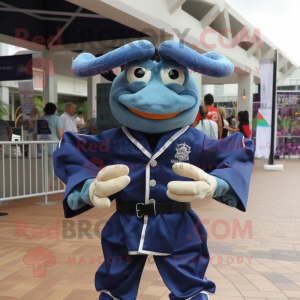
<point x="154" y="166"/>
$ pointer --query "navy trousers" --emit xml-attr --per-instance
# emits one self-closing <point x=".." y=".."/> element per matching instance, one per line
<point x="182" y="272"/>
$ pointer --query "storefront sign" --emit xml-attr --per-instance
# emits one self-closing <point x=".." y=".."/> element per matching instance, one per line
<point x="105" y="119"/>
<point x="288" y="124"/>
<point x="14" y="67"/>
<point x="266" y="84"/>
<point x="29" y="110"/>
<point x="263" y="133"/>
<point x="43" y="131"/>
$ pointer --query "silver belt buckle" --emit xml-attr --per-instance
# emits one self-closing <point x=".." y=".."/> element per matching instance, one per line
<point x="137" y="210"/>
<point x="153" y="201"/>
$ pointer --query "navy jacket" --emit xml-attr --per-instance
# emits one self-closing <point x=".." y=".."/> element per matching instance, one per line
<point x="79" y="158"/>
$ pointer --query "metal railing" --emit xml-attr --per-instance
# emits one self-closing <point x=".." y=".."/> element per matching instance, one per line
<point x="27" y="171"/>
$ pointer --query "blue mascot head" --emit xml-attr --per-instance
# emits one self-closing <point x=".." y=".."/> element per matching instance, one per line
<point x="154" y="97"/>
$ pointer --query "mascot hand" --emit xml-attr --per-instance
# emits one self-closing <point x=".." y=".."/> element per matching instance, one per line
<point x="109" y="181"/>
<point x="203" y="187"/>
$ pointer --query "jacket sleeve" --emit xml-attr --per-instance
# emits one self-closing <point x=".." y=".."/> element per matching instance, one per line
<point x="77" y="159"/>
<point x="232" y="162"/>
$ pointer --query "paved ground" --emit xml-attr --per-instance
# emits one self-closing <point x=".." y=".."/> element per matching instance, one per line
<point x="254" y="255"/>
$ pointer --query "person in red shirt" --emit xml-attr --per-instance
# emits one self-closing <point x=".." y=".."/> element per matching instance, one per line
<point x="213" y="114"/>
<point x="244" y="128"/>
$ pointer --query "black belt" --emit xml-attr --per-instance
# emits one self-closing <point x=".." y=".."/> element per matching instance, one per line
<point x="152" y="209"/>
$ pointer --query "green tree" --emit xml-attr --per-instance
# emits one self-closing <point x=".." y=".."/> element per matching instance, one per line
<point x="39" y="105"/>
<point x="60" y="107"/>
<point x="4" y="110"/>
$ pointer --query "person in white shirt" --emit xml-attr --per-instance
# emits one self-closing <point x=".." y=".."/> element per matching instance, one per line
<point x="69" y="123"/>
<point x="207" y="126"/>
<point x="80" y="120"/>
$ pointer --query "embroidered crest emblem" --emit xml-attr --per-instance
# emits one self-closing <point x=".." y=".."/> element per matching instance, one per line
<point x="182" y="152"/>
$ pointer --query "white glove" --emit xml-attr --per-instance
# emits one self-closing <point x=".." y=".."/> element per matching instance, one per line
<point x="203" y="187"/>
<point x="109" y="181"/>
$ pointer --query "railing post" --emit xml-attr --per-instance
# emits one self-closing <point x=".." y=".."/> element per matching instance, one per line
<point x="3" y="179"/>
<point x="45" y="176"/>
<point x="10" y="172"/>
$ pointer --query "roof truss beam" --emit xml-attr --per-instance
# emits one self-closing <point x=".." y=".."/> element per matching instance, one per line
<point x="173" y="5"/>
<point x="258" y="53"/>
<point x="79" y="9"/>
<point x="268" y="54"/>
<point x="243" y="32"/>
<point x="96" y="47"/>
<point x="227" y="24"/>
<point x="282" y="62"/>
<point x="288" y="72"/>
<point x="13" y="8"/>
<point x="210" y="16"/>
<point x="33" y="12"/>
<point x="252" y="50"/>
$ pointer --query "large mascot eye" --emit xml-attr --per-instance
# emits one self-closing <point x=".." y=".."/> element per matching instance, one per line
<point x="172" y="75"/>
<point x="138" y="74"/>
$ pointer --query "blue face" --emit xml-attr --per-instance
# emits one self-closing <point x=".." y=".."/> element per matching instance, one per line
<point x="154" y="97"/>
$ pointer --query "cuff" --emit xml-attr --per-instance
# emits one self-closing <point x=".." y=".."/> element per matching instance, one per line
<point x="225" y="193"/>
<point x="222" y="187"/>
<point x="231" y="198"/>
<point x="79" y="197"/>
<point x="85" y="192"/>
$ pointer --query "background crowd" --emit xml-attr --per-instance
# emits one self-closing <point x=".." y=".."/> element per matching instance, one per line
<point x="212" y="121"/>
<point x="215" y="122"/>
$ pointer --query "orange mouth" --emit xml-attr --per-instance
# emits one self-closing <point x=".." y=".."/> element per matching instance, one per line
<point x="153" y="116"/>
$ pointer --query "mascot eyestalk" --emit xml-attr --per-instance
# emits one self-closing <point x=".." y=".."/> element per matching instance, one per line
<point x="154" y="167"/>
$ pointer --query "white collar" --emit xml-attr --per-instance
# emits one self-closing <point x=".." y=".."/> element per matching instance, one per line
<point x="161" y="150"/>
